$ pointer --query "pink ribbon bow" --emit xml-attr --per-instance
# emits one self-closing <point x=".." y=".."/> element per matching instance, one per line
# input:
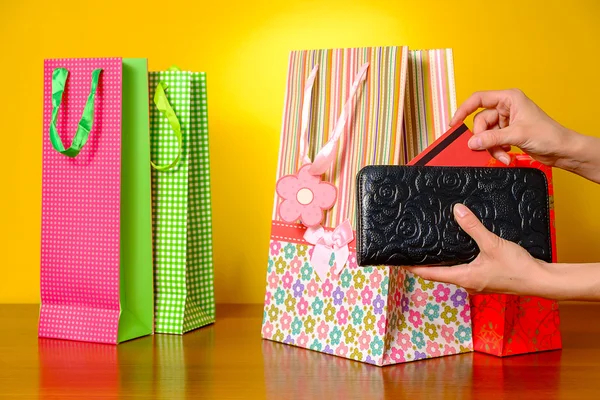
<point x="325" y="243"/>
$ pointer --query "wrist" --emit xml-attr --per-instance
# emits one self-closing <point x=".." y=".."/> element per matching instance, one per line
<point x="580" y="155"/>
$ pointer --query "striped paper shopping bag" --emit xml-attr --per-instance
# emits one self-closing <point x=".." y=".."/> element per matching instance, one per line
<point x="345" y="109"/>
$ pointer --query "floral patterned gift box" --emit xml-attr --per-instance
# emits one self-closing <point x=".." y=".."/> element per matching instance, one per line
<point x="317" y="297"/>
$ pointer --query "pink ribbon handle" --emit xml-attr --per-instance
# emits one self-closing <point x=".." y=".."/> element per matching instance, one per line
<point x="325" y="243"/>
<point x="306" y="105"/>
<point x="327" y="154"/>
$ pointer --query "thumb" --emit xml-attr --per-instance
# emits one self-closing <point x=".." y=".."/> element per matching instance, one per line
<point x="474" y="228"/>
<point x="494" y="138"/>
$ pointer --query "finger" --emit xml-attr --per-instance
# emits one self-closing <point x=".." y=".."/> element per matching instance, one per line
<point x="485" y="120"/>
<point x="500" y="154"/>
<point x="496" y="137"/>
<point x="486" y="99"/>
<point x="455" y="275"/>
<point x="474" y="228"/>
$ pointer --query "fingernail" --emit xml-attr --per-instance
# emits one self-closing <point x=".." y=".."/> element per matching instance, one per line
<point x="504" y="160"/>
<point x="475" y="143"/>
<point x="460" y="210"/>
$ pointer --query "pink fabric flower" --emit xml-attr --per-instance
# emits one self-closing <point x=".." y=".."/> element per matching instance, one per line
<point x="268" y="329"/>
<point x="376" y="278"/>
<point x="302" y="306"/>
<point x="302" y="339"/>
<point x="341" y="350"/>
<point x="367" y="295"/>
<point x="312" y="288"/>
<point x="323" y="330"/>
<point x="465" y="314"/>
<point x="441" y="293"/>
<point x="275" y="247"/>
<point x="305" y="197"/>
<point x="448" y="333"/>
<point x="404" y="341"/>
<point x="433" y="349"/>
<point x="295" y="264"/>
<point x="351" y="296"/>
<point x="285" y="321"/>
<point x="415" y="318"/>
<point x="419" y="297"/>
<point x="287" y="280"/>
<point x="327" y="287"/>
<point x="397" y="355"/>
<point x="448" y="350"/>
<point x="268" y="296"/>
<point x="342" y="316"/>
<point x="364" y="340"/>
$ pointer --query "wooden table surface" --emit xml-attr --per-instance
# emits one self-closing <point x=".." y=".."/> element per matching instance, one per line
<point x="228" y="360"/>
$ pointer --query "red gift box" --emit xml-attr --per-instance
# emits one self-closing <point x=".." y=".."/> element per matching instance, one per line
<point x="502" y="324"/>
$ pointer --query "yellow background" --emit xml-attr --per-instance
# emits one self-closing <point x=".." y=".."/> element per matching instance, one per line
<point x="547" y="48"/>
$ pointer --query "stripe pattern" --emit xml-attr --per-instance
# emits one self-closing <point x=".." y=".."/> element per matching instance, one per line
<point x="373" y="135"/>
<point x="430" y="97"/>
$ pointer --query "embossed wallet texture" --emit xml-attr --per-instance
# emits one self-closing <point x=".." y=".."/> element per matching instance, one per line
<point x="405" y="212"/>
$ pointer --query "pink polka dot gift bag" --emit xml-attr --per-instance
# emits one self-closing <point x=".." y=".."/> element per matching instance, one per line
<point x="345" y="109"/>
<point x="96" y="249"/>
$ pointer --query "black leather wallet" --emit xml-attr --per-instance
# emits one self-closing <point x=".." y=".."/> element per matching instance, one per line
<point x="405" y="213"/>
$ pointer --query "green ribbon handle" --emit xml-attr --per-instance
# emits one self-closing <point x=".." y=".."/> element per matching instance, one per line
<point x="59" y="80"/>
<point x="162" y="104"/>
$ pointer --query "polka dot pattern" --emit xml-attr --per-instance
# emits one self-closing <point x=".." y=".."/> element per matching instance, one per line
<point x="81" y="208"/>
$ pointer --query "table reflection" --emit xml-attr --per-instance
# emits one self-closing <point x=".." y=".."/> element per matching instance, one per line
<point x="150" y="366"/>
<point x="292" y="372"/>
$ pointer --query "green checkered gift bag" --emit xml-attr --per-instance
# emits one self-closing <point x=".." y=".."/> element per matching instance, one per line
<point x="183" y="269"/>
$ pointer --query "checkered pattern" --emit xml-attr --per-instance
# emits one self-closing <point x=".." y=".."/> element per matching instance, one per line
<point x="182" y="227"/>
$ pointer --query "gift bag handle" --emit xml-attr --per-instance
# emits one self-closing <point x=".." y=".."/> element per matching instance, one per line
<point x="84" y="127"/>
<point x="326" y="155"/>
<point x="162" y="104"/>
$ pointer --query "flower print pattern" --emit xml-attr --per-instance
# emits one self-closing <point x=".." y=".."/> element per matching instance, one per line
<point x="419" y="298"/>
<point x="327" y="287"/>
<point x="323" y="330"/>
<point x="465" y="314"/>
<point x="280" y="265"/>
<point x="295" y="265"/>
<point x="432" y="311"/>
<point x="351" y="296"/>
<point x="374" y="315"/>
<point x="302" y="307"/>
<point x="441" y="293"/>
<point x="459" y="298"/>
<point x="338" y="296"/>
<point x="449" y="314"/>
<point x="414" y="317"/>
<point x="364" y="340"/>
<point x="367" y="296"/>
<point x="317" y="306"/>
<point x="378" y="304"/>
<point x="312" y="288"/>
<point x="342" y="316"/>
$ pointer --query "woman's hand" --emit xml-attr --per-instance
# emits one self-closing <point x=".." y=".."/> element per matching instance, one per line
<point x="500" y="267"/>
<point x="511" y="119"/>
<point x="505" y="267"/>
